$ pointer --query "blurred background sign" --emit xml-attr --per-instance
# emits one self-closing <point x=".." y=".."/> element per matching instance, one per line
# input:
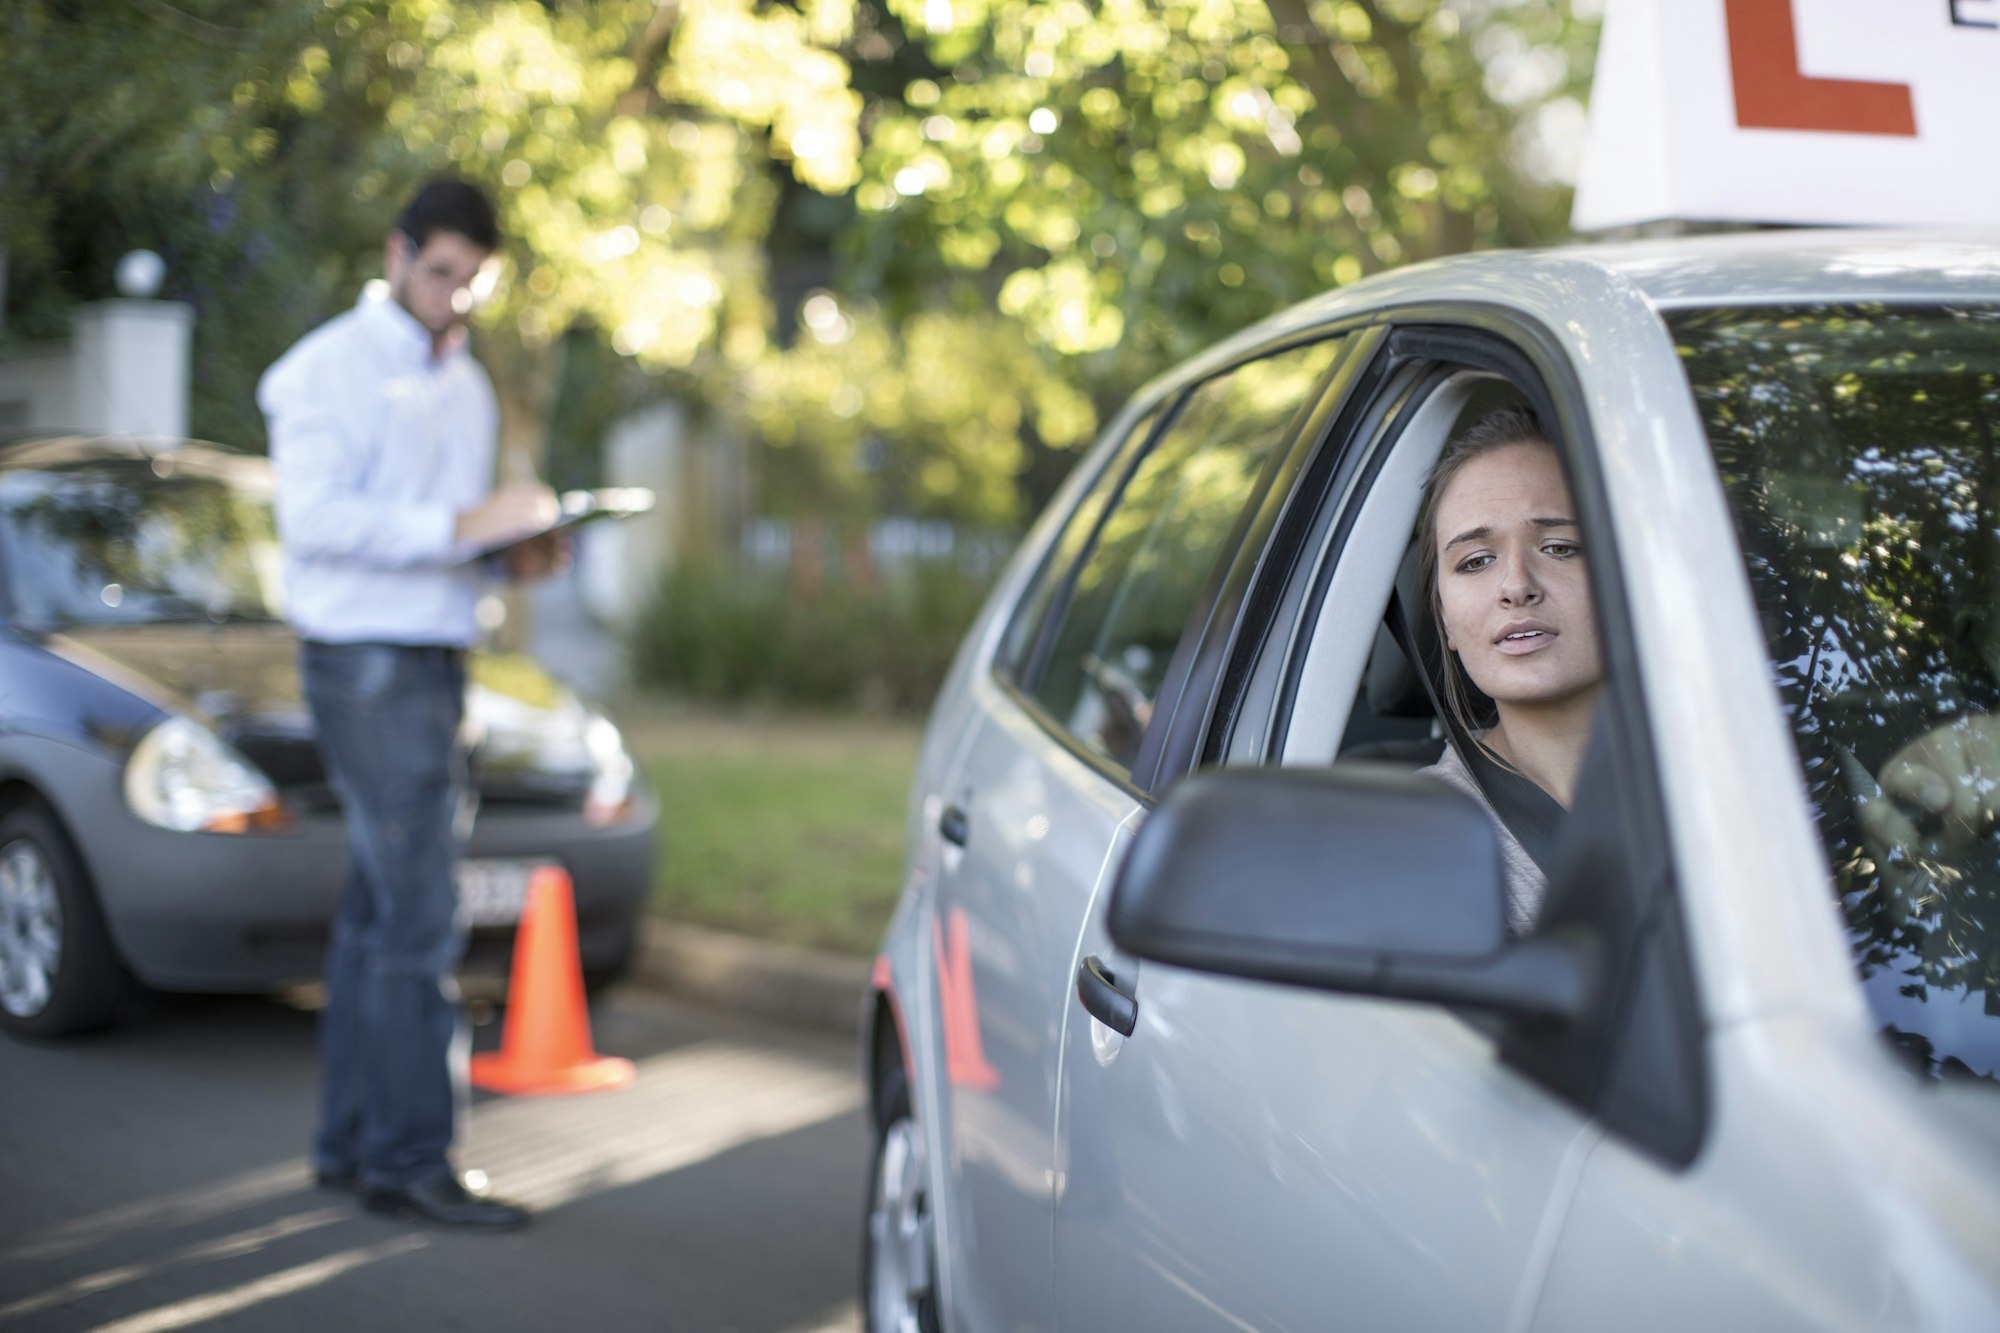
<point x="1793" y="111"/>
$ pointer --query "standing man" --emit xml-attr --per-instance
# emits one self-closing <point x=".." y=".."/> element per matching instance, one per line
<point x="382" y="436"/>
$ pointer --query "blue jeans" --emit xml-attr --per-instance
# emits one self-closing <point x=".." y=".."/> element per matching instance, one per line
<point x="392" y="1040"/>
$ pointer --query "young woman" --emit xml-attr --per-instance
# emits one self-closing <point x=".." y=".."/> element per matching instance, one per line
<point x="1510" y="592"/>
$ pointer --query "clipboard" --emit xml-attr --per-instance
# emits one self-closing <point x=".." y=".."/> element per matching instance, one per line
<point x="576" y="509"/>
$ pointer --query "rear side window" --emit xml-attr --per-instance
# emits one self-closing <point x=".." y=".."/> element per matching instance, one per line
<point x="1154" y="551"/>
<point x="1024" y="633"/>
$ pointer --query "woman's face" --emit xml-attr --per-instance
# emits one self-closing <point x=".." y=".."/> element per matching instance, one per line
<point x="1512" y="582"/>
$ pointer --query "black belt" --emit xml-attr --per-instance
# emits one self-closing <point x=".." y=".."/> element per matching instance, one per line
<point x="445" y="651"/>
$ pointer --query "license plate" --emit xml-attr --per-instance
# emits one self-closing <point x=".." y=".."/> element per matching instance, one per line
<point x="492" y="893"/>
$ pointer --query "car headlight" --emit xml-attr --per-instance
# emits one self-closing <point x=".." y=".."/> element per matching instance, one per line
<point x="610" y="797"/>
<point x="182" y="776"/>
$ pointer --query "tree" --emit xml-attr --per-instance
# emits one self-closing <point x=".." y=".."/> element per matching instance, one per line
<point x="1068" y="198"/>
<point x="264" y="149"/>
<point x="1014" y="211"/>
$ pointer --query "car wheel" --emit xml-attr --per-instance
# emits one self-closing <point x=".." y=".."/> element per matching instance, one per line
<point x="899" y="1294"/>
<point x="58" y="973"/>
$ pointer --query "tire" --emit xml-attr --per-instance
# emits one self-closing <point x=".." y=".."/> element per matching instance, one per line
<point x="898" y="1254"/>
<point x="58" y="971"/>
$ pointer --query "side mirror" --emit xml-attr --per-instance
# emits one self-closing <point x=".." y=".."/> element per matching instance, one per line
<point x="1363" y="879"/>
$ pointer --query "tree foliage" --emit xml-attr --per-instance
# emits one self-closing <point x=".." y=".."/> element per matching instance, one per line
<point x="918" y="250"/>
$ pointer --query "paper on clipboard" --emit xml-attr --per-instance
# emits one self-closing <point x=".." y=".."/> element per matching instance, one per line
<point x="576" y="508"/>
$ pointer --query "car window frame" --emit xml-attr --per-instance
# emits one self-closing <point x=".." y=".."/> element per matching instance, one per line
<point x="1167" y="401"/>
<point x="10" y="611"/>
<point x="1624" y="1072"/>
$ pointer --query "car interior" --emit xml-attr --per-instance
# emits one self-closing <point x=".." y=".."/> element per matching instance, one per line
<point x="1393" y="719"/>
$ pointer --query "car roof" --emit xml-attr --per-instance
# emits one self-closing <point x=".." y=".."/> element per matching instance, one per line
<point x="1750" y="268"/>
<point x="1824" y="264"/>
<point x="1734" y="268"/>
<point x="1768" y="267"/>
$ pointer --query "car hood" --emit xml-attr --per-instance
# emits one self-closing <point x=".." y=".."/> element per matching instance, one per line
<point x="527" y="731"/>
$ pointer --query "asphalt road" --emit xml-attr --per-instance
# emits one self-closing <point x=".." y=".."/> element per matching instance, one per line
<point x="154" y="1178"/>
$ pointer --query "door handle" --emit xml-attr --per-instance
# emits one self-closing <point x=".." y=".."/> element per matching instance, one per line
<point x="955" y="825"/>
<point x="1102" y="997"/>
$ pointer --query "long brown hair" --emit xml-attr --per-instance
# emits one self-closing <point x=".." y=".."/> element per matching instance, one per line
<point x="1500" y="429"/>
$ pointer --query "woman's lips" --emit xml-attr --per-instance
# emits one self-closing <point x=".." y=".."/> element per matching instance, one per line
<point x="1519" y="643"/>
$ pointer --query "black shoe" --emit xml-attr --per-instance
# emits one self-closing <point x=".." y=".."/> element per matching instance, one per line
<point x="445" y="1202"/>
<point x="340" y="1182"/>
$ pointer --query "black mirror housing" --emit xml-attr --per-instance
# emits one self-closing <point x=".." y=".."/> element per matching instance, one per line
<point x="1361" y="878"/>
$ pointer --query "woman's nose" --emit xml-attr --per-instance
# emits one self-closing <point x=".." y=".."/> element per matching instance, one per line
<point x="1518" y="586"/>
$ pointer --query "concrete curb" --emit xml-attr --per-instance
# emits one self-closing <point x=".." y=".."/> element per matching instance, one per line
<point x="780" y="983"/>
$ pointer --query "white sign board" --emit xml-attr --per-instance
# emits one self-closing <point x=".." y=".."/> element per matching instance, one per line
<point x="1801" y="111"/>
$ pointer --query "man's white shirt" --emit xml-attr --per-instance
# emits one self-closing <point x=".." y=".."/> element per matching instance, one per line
<point x="378" y="445"/>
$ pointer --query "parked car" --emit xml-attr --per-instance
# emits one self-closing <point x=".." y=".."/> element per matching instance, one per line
<point x="1190" y="1018"/>
<point x="164" y="815"/>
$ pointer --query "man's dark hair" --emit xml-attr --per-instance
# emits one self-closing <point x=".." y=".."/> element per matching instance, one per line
<point x="447" y="204"/>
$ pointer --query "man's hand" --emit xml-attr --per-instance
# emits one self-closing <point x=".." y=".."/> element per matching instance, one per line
<point x="1951" y="772"/>
<point x="511" y="511"/>
<point x="538" y="557"/>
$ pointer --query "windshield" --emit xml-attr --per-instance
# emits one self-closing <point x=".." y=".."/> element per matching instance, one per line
<point x="1860" y="449"/>
<point x="114" y="542"/>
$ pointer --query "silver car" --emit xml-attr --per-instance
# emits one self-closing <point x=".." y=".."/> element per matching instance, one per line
<point x="1199" y="1010"/>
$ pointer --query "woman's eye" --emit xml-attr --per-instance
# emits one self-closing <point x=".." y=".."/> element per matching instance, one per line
<point x="1562" y="550"/>
<point x="1472" y="564"/>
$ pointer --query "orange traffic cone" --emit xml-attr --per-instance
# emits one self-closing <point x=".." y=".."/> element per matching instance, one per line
<point x="545" y="1044"/>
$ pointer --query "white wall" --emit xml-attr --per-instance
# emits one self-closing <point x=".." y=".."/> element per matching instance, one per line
<point x="131" y="367"/>
<point x="648" y="448"/>
<point x="124" y="372"/>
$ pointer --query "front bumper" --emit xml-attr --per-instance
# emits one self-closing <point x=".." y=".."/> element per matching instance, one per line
<point x="247" y="912"/>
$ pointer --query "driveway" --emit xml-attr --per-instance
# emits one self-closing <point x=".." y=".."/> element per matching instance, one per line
<point x="153" y="1178"/>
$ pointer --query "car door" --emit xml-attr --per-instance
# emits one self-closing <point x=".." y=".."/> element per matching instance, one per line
<point x="1258" y="1156"/>
<point x="1031" y="814"/>
<point x="1844" y="461"/>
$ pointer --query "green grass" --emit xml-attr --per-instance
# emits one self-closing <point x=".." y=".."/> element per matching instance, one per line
<point x="783" y="826"/>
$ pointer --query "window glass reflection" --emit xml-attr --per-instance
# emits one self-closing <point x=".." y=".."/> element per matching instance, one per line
<point x="1859" y="450"/>
<point x="114" y="543"/>
<point x="1155" y="550"/>
<point x="1024" y="632"/>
